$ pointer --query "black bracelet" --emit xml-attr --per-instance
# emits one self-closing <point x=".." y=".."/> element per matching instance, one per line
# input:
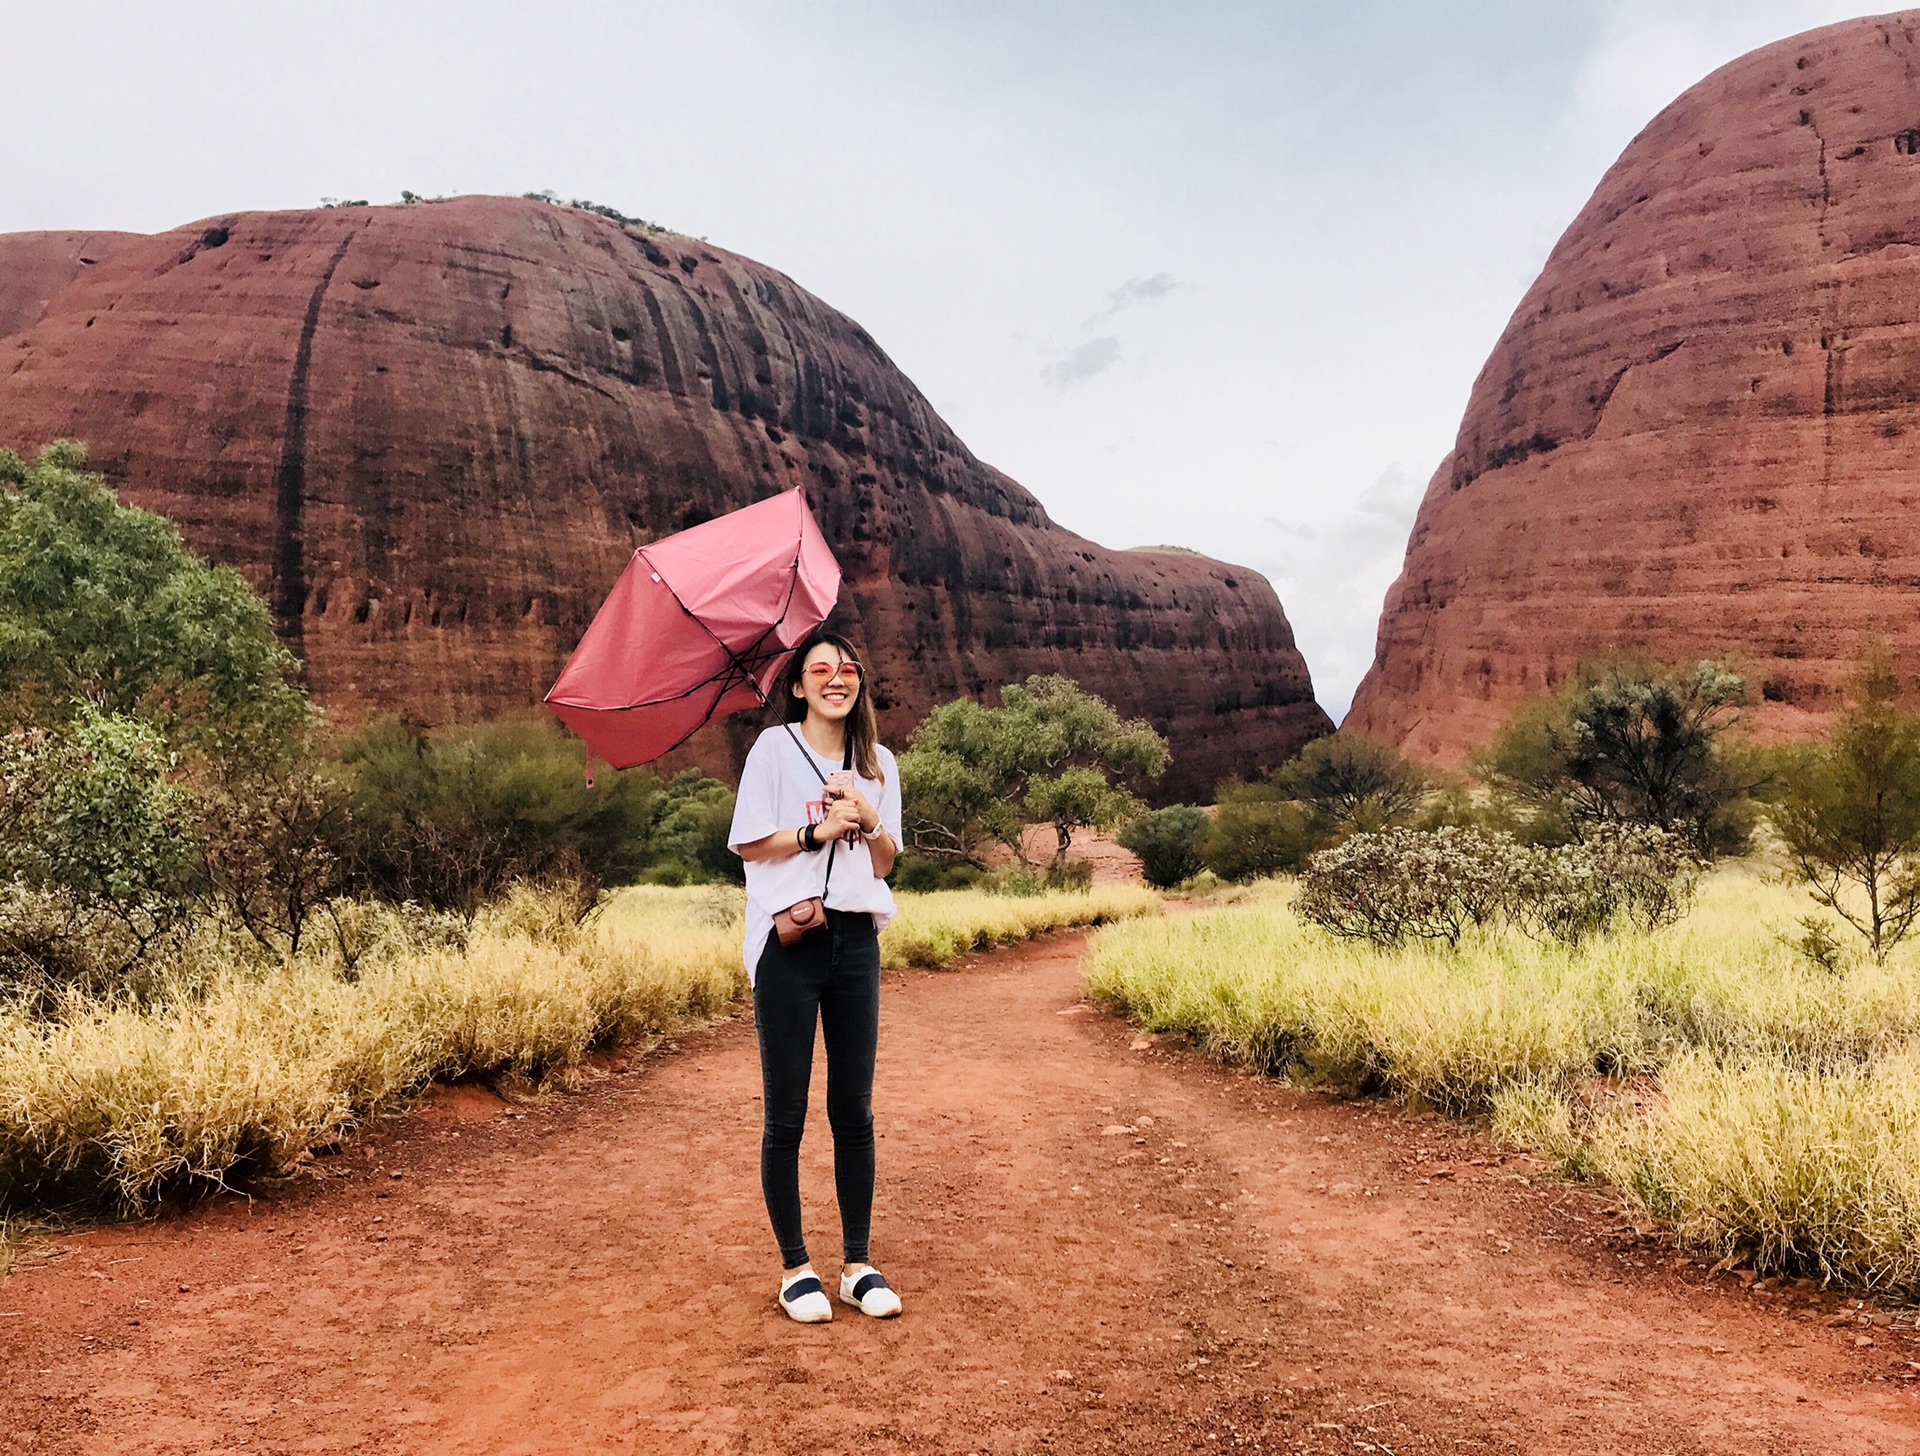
<point x="809" y="841"/>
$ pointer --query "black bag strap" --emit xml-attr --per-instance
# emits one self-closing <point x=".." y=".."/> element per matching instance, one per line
<point x="813" y="764"/>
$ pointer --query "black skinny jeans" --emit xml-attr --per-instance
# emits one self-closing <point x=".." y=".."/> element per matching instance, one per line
<point x="833" y="976"/>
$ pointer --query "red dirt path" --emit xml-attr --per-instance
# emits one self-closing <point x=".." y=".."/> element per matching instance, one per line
<point x="1253" y="1269"/>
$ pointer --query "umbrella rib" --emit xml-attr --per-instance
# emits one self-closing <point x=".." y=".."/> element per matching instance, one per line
<point x="734" y="659"/>
<point x="793" y="586"/>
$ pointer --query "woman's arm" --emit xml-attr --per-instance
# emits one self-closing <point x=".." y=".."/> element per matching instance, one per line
<point x="872" y="824"/>
<point x="842" y="816"/>
<point x="781" y="844"/>
<point x="884" y="852"/>
<point x="884" y="833"/>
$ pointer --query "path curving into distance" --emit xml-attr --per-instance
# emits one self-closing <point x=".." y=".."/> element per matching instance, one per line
<point x="1103" y="1247"/>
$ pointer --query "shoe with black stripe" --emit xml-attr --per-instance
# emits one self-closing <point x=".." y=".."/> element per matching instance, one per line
<point x="803" y="1298"/>
<point x="867" y="1290"/>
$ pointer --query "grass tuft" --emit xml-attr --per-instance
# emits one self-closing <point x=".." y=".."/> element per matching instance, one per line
<point x="1752" y="1099"/>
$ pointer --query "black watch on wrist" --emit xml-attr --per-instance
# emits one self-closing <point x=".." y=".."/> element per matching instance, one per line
<point x="808" y="840"/>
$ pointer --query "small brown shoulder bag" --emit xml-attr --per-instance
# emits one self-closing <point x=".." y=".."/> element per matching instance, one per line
<point x="803" y="917"/>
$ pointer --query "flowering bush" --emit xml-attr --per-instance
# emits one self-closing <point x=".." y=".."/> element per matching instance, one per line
<point x="1433" y="884"/>
<point x="1619" y="871"/>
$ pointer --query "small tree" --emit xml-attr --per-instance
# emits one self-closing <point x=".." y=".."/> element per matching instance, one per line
<point x="1630" y="744"/>
<point x="1050" y="753"/>
<point x="101" y="604"/>
<point x="1256" y="833"/>
<point x="1168" y="842"/>
<point x="953" y="807"/>
<point x="1350" y="783"/>
<point x="1849" y="814"/>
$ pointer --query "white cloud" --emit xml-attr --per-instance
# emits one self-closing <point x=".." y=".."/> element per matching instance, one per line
<point x="1082" y="362"/>
<point x="1135" y="291"/>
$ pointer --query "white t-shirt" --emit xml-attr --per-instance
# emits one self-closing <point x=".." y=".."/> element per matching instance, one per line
<point x="779" y="790"/>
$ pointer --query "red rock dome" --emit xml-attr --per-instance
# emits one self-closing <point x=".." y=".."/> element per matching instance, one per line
<point x="432" y="435"/>
<point x="1697" y="436"/>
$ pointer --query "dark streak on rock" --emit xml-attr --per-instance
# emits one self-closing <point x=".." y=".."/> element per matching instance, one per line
<point x="290" y="479"/>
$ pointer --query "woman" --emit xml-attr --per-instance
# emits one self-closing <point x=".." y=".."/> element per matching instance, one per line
<point x="818" y="815"/>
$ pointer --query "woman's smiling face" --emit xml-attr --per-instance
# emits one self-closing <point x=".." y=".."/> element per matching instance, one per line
<point x="830" y="682"/>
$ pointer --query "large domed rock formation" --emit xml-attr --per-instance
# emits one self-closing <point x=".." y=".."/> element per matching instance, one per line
<point x="1697" y="436"/>
<point x="432" y="435"/>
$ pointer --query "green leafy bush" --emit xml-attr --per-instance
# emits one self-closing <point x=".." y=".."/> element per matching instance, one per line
<point x="101" y="604"/>
<point x="922" y="874"/>
<point x="96" y="850"/>
<point x="1349" y="783"/>
<point x="1168" y="842"/>
<point x="452" y="817"/>
<point x="691" y="818"/>
<point x="1255" y="833"/>
<point x="1630" y="743"/>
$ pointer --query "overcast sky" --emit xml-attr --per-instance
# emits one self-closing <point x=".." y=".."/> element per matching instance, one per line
<point x="1215" y="275"/>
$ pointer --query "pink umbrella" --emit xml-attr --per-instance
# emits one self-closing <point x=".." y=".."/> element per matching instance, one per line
<point x="697" y="627"/>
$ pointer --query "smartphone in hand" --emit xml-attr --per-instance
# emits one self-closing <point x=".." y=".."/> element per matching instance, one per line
<point x="840" y="784"/>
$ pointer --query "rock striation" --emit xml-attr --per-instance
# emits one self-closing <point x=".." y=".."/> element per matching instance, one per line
<point x="1693" y="438"/>
<point x="433" y="434"/>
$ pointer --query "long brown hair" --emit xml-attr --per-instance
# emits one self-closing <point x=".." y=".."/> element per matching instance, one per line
<point x="863" y="730"/>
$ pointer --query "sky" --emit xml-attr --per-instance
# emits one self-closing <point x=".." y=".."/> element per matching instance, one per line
<point x="1197" y="273"/>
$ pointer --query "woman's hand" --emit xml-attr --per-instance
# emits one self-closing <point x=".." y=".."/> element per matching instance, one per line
<point x="869" y="820"/>
<point x="843" y="818"/>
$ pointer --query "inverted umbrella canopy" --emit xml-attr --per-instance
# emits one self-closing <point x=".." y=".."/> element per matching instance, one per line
<point x="697" y="627"/>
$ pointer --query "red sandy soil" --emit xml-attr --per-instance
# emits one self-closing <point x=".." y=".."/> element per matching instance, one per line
<point x="1112" y="865"/>
<point x="1104" y="1245"/>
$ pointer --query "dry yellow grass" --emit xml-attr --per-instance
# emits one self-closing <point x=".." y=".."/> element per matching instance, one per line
<point x="937" y="929"/>
<point x="1782" y="1100"/>
<point x="248" y="1065"/>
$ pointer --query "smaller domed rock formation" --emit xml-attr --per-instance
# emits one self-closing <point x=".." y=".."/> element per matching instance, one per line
<point x="1696" y="437"/>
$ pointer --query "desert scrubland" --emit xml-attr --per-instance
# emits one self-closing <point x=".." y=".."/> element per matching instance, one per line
<point x="1761" y="1105"/>
<point x="243" y="1065"/>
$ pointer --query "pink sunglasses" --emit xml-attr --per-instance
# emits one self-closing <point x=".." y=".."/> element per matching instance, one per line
<point x="822" y="672"/>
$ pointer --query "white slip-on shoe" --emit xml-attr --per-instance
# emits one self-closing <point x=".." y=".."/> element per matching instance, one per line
<point x="869" y="1292"/>
<point x="802" y="1297"/>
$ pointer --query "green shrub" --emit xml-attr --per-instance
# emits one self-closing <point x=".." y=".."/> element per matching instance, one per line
<point x="450" y="819"/>
<point x="1630" y="743"/>
<point x="96" y="850"/>
<point x="690" y="824"/>
<point x="102" y="604"/>
<point x="921" y="874"/>
<point x="269" y="832"/>
<point x="1168" y="842"/>
<point x="1401" y="884"/>
<point x="1349" y="783"/>
<point x="1849" y="815"/>
<point x="1253" y="836"/>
